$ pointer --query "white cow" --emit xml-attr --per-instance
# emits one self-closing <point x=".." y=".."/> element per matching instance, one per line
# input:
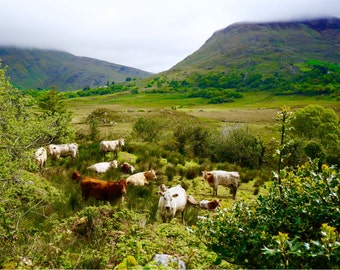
<point x="172" y="201"/>
<point x="103" y="167"/>
<point x="223" y="178"/>
<point x="111" y="146"/>
<point x="63" y="150"/>
<point x="141" y="178"/>
<point x="40" y="157"/>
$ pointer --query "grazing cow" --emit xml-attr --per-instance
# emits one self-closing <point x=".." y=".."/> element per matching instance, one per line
<point x="172" y="201"/>
<point x="222" y="178"/>
<point x="142" y="178"/>
<point x="103" y="167"/>
<point x="127" y="168"/>
<point x="63" y="150"/>
<point x="103" y="190"/>
<point x="209" y="205"/>
<point x="40" y="157"/>
<point x="111" y="146"/>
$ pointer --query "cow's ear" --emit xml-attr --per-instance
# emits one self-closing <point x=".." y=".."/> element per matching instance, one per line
<point x="175" y="195"/>
<point x="160" y="193"/>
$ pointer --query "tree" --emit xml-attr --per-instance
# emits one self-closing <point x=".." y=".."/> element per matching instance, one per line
<point x="319" y="125"/>
<point x="54" y="109"/>
<point x="20" y="127"/>
<point x="23" y="128"/>
<point x="237" y="144"/>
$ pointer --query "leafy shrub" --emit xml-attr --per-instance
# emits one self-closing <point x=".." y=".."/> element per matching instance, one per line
<point x="309" y="198"/>
<point x="170" y="171"/>
<point x="237" y="144"/>
<point x="148" y="130"/>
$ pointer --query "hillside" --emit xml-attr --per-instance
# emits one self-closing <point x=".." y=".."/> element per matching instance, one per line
<point x="41" y="69"/>
<point x="278" y="48"/>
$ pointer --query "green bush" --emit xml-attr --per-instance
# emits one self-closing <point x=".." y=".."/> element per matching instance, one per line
<point x="309" y="199"/>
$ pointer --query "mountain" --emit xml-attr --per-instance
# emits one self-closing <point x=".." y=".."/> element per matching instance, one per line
<point x="280" y="48"/>
<point x="41" y="69"/>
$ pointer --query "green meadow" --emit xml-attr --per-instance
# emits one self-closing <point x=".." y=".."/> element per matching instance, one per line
<point x="256" y="109"/>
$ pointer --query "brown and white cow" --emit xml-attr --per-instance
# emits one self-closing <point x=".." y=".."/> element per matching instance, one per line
<point x="223" y="178"/>
<point x="141" y="178"/>
<point x="209" y="205"/>
<point x="40" y="157"/>
<point x="103" y="190"/>
<point x="127" y="168"/>
<point x="63" y="150"/>
<point x="111" y="146"/>
<point x="172" y="201"/>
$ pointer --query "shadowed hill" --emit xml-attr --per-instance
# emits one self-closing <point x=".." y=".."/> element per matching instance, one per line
<point x="40" y="69"/>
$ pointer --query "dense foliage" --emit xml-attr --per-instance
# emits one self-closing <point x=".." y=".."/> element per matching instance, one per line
<point x="311" y="78"/>
<point x="295" y="228"/>
<point x="318" y="129"/>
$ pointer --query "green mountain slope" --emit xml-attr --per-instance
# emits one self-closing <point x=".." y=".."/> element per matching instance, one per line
<point x="34" y="69"/>
<point x="280" y="48"/>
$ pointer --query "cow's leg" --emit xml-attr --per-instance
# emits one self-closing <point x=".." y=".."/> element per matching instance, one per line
<point x="215" y="191"/>
<point x="234" y="188"/>
<point x="183" y="217"/>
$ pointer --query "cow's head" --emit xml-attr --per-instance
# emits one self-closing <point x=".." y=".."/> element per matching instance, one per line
<point x="121" y="142"/>
<point x="52" y="148"/>
<point x="76" y="175"/>
<point x="168" y="197"/>
<point x="208" y="176"/>
<point x="212" y="205"/>
<point x="150" y="175"/>
<point x="123" y="184"/>
<point x="39" y="152"/>
<point x="114" y="164"/>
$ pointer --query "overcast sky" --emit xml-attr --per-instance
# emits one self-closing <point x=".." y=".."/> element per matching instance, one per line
<point x="152" y="35"/>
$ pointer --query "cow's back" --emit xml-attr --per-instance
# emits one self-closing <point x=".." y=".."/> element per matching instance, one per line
<point x="111" y="146"/>
<point x="104" y="146"/>
<point x="102" y="190"/>
<point x="63" y="150"/>
<point x="137" y="179"/>
<point x="101" y="167"/>
<point x="225" y="178"/>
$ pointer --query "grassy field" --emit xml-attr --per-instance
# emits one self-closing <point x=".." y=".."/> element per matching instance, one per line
<point x="257" y="110"/>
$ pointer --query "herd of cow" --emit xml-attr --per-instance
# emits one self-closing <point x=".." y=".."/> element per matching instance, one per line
<point x="172" y="200"/>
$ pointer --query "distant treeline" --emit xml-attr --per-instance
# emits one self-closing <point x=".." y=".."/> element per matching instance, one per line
<point x="86" y="91"/>
<point x="312" y="78"/>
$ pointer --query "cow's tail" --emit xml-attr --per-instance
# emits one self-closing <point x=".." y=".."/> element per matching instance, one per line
<point x="191" y="200"/>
